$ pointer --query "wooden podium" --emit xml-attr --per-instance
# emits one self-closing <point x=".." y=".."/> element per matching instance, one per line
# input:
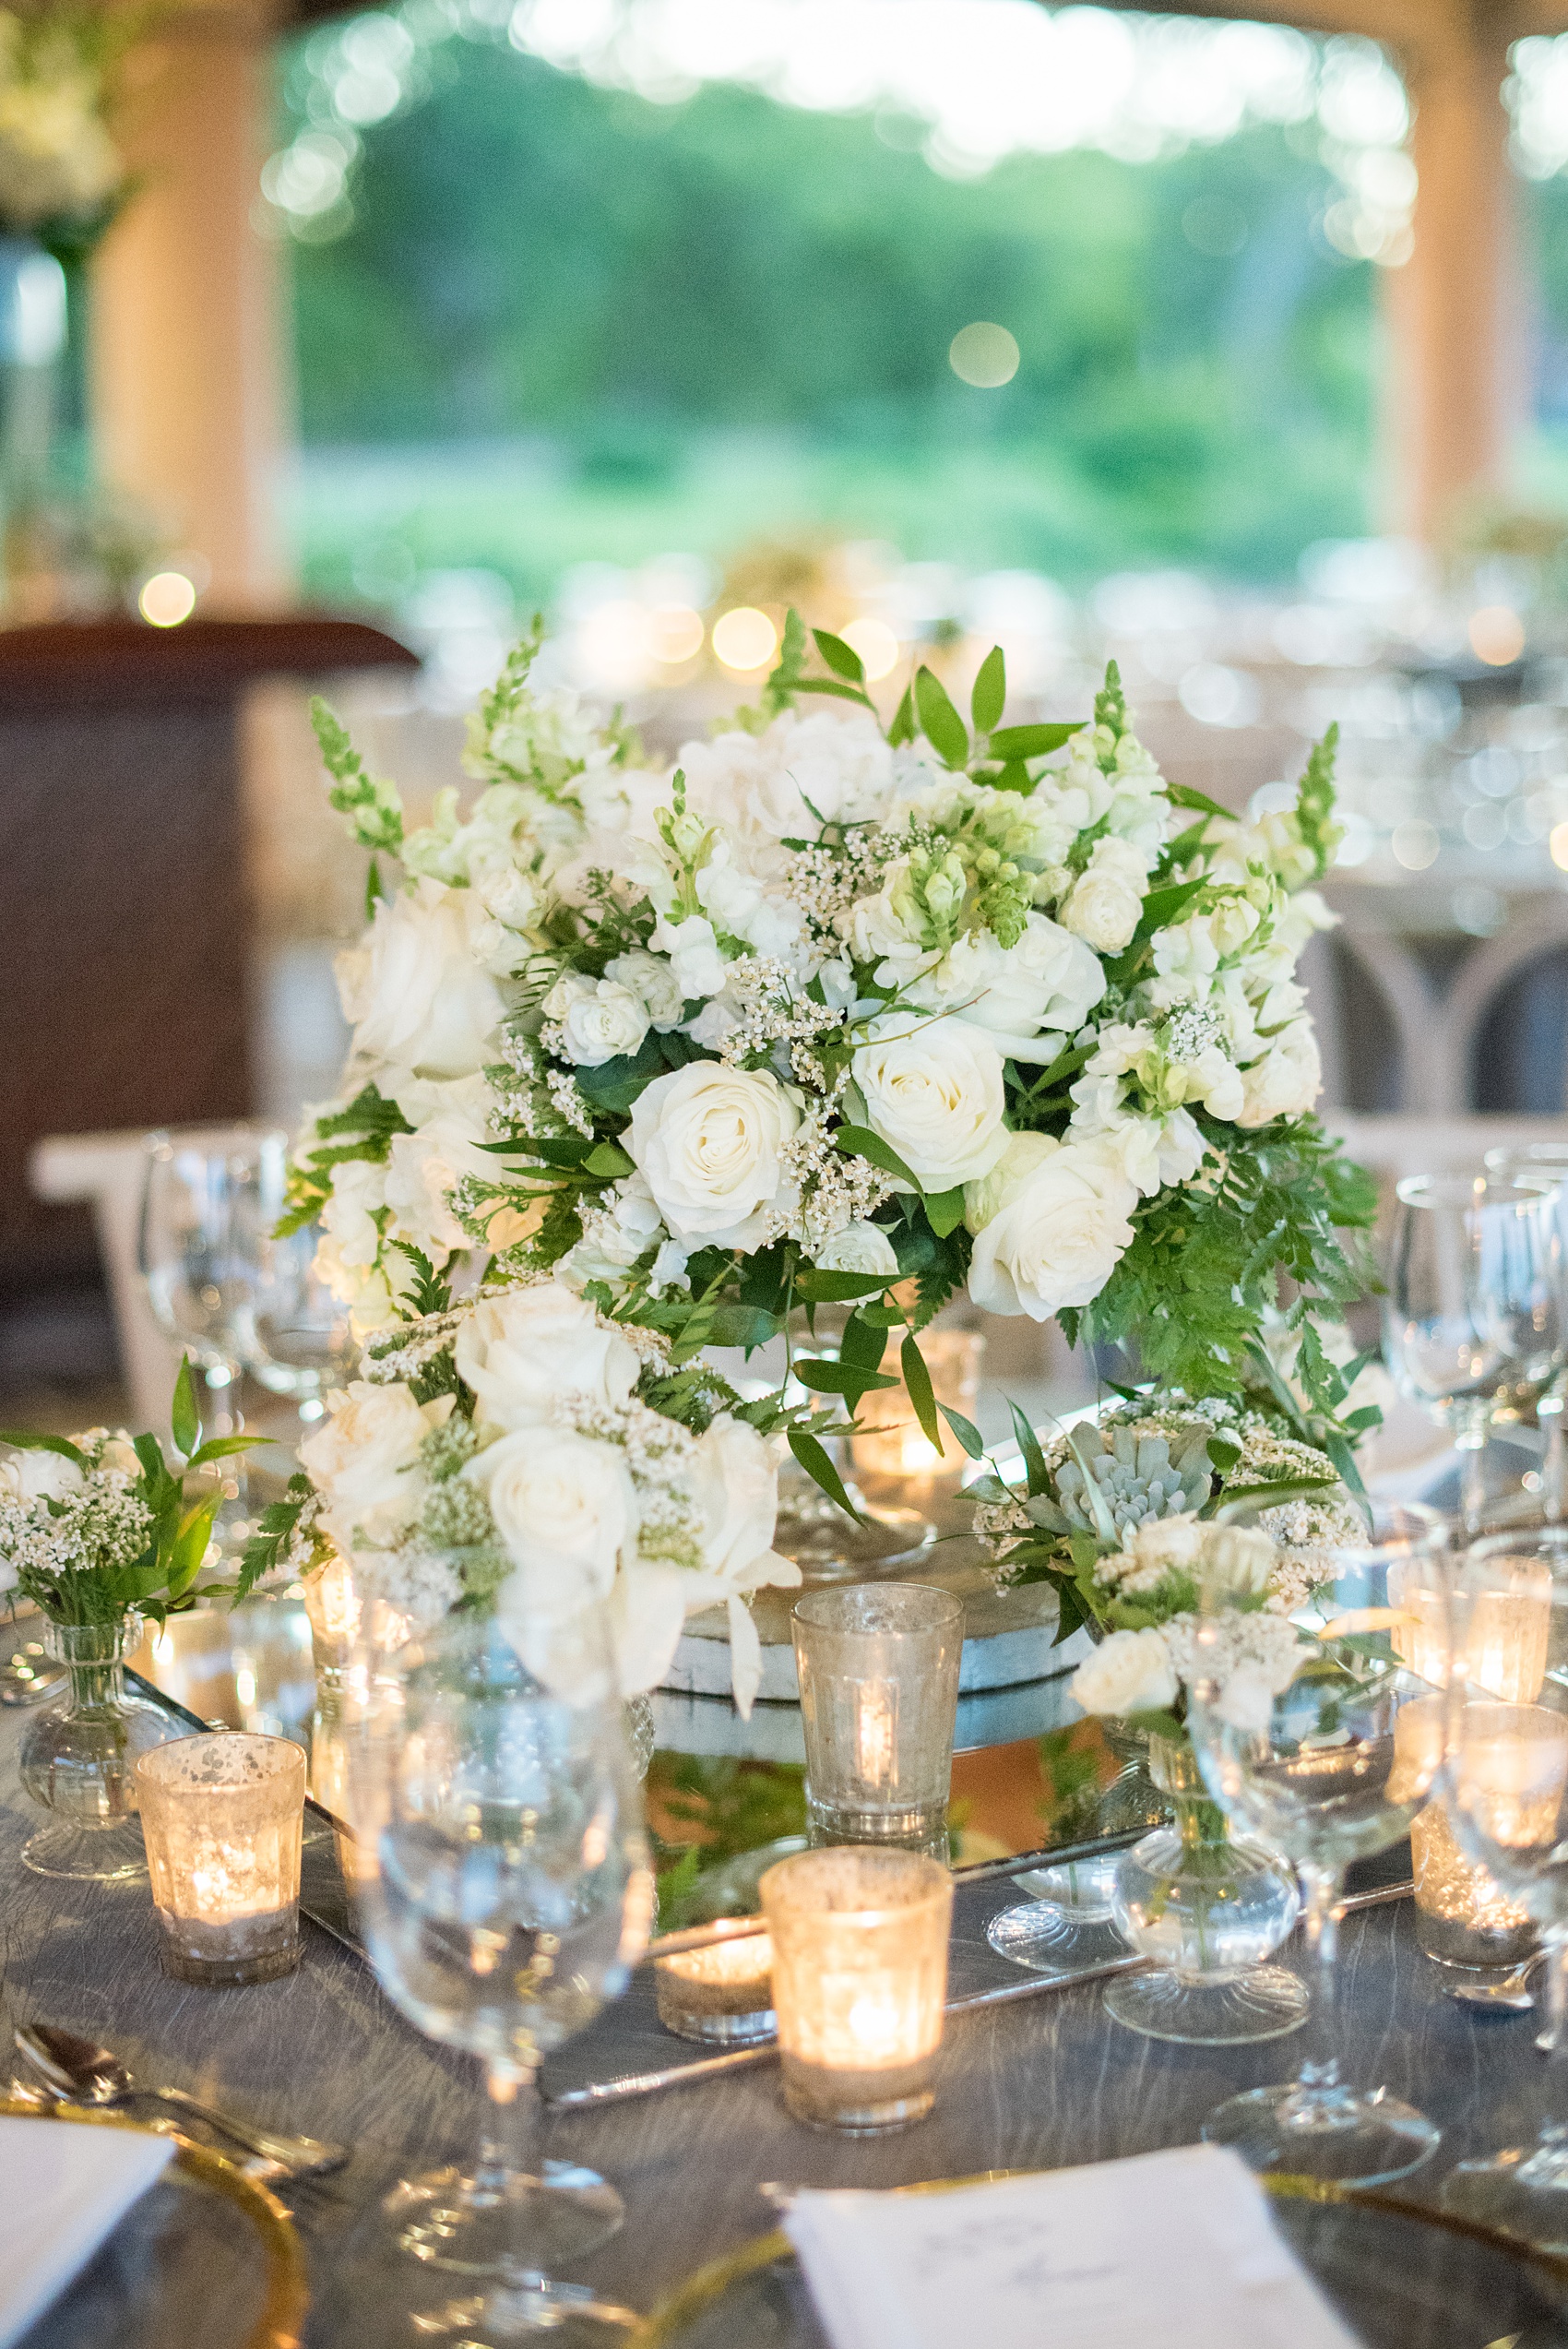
<point x="125" y="929"/>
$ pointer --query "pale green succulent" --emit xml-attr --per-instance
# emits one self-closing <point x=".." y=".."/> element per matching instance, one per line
<point x="1137" y="1479"/>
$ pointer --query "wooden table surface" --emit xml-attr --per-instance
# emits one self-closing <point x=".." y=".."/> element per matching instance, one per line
<point x="1048" y="2081"/>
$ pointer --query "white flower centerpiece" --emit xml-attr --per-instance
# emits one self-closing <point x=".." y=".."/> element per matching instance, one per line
<point x="828" y="1014"/>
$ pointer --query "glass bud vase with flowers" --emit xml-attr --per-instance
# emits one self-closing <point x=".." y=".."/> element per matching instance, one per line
<point x="97" y="1532"/>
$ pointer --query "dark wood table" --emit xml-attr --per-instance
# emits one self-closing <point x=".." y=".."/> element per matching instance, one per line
<point x="1048" y="2081"/>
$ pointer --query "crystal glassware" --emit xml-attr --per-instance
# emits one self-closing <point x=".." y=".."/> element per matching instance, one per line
<point x="294" y="1333"/>
<point x="1544" y="1164"/>
<point x="1504" y="1785"/>
<point x="506" y="1893"/>
<point x="1208" y="1909"/>
<point x="197" y="1251"/>
<point x="222" y="1815"/>
<point x="80" y="1755"/>
<point x="878" y="1666"/>
<point x="860" y="1979"/>
<point x="1475" y="1312"/>
<point x="1311" y="1771"/>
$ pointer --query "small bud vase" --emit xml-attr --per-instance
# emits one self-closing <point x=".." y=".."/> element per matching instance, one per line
<point x="78" y="1757"/>
<point x="1209" y="1908"/>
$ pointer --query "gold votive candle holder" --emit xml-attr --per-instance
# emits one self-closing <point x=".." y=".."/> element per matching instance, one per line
<point x="896" y="1446"/>
<point x="878" y="1666"/>
<point x="222" y="1817"/>
<point x="723" y="1993"/>
<point x="860" y="1980"/>
<point x="1463" y="1916"/>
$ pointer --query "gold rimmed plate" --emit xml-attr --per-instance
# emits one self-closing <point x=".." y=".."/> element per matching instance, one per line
<point x="1401" y="2275"/>
<point x="206" y="2260"/>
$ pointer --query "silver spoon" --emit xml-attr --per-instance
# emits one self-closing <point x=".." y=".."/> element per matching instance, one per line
<point x="1513" y="1991"/>
<point x="88" y="2074"/>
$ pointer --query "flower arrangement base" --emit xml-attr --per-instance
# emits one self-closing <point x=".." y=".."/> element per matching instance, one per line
<point x="78" y="1758"/>
<point x="827" y="1546"/>
<point x="1208" y="1909"/>
<point x="85" y="1855"/>
<point x="1068" y="1924"/>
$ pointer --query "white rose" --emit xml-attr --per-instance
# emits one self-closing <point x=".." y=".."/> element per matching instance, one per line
<point x="565" y="1511"/>
<point x="359" y="1192"/>
<point x="1108" y="898"/>
<point x="693" y="956"/>
<point x="363" y="1461"/>
<point x="45" y="1477"/>
<point x="422" y="1170"/>
<point x="1050" y="979"/>
<point x="601" y="1020"/>
<point x="512" y="898"/>
<point x="1129" y="1672"/>
<point x="520" y="1351"/>
<point x="1057" y="1240"/>
<point x="735" y="1486"/>
<point x="708" y="1141"/>
<point x="1286" y="1081"/>
<point x="419" y="999"/>
<point x="1240" y="1558"/>
<point x="859" y="1247"/>
<point x="653" y="977"/>
<point x="1231" y="924"/>
<point x="990" y="1195"/>
<point x="933" y="1091"/>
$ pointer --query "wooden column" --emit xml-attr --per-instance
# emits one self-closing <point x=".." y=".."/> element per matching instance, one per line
<point x="187" y="321"/>
<point x="1456" y="376"/>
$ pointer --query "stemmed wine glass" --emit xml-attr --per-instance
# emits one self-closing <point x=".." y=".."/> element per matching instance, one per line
<point x="1504" y="1789"/>
<point x="294" y="1333"/>
<point x="1475" y="1313"/>
<point x="1544" y="1165"/>
<point x="1322" y="1772"/>
<point x="508" y="1894"/>
<point x="197" y="1254"/>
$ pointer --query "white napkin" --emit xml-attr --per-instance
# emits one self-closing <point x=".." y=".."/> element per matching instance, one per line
<point x="1177" y="2247"/>
<point x="64" y="2187"/>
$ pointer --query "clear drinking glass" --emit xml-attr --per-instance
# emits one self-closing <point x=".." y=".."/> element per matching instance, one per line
<point x="1475" y="1313"/>
<point x="1545" y="1166"/>
<point x="294" y="1333"/>
<point x="1505" y="1788"/>
<point x="506" y="1894"/>
<point x="1313" y="1772"/>
<point x="878" y="1667"/>
<point x="197" y="1254"/>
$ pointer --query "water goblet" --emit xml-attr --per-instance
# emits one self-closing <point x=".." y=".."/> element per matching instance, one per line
<point x="1476" y="1314"/>
<point x="1544" y="1164"/>
<point x="294" y="1333"/>
<point x="506" y="1895"/>
<point x="197" y="1254"/>
<point x="1299" y="1745"/>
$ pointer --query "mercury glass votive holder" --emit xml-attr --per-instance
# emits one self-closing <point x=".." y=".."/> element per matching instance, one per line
<point x="723" y="1995"/>
<point x="878" y="1668"/>
<point x="895" y="1446"/>
<point x="221" y="1815"/>
<point x="1464" y="1917"/>
<point x="860" y="1979"/>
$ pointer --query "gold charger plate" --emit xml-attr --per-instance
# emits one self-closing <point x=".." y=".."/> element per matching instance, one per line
<point x="1399" y="2273"/>
<point x="280" y="2293"/>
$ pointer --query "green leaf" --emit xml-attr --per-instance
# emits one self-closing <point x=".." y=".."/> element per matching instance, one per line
<point x="191" y="1548"/>
<point x="1160" y="1724"/>
<point x="916" y="1379"/>
<point x="608" y="1160"/>
<point x="1074" y="1615"/>
<point x="858" y="1141"/>
<point x="1012" y="777"/>
<point x="1105" y="1525"/>
<point x="839" y="1378"/>
<point x="1224" y="1452"/>
<point x="616" y="1084"/>
<point x="1032" y="742"/>
<point x="989" y="697"/>
<point x="1034" y="1458"/>
<point x="862" y="1345"/>
<point x="1227" y="1504"/>
<point x="968" y="1435"/>
<point x="902" y="729"/>
<point x="940" y="723"/>
<point x="374" y="890"/>
<point x="820" y="1469"/>
<point x="153" y="1471"/>
<point x="1162" y="907"/>
<point x="836" y="1288"/>
<point x="832" y="685"/>
<point x="945" y="1209"/>
<point x="741" y="1325"/>
<point x="24" y="1442"/>
<point x="184" y="1418"/>
<point x="1184" y="795"/>
<point x="841" y="658"/>
<point x="224" y="1447"/>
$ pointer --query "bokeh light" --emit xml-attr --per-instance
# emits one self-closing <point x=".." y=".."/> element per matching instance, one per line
<point x="167" y="598"/>
<point x="983" y="354"/>
<point x="876" y="643"/>
<point x="1497" y="635"/>
<point x="744" y="639"/>
<point x="1558" y="846"/>
<point x="676" y="633"/>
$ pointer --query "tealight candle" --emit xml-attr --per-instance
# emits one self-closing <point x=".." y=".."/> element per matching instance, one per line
<point x="724" y="1992"/>
<point x="222" y="1817"/>
<point x="1507" y="1626"/>
<point x="1516" y="1779"/>
<point x="860" y="1978"/>
<point x="895" y="1444"/>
